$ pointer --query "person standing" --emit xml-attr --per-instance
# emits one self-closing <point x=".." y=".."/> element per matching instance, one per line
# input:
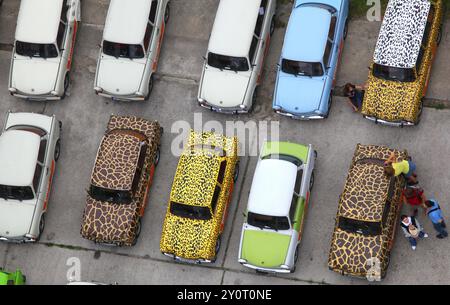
<point x="412" y="229"/>
<point x="414" y="197"/>
<point x="434" y="213"/>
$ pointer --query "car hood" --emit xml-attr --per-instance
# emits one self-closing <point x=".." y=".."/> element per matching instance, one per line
<point x="350" y="253"/>
<point x="187" y="238"/>
<point x="299" y="95"/>
<point x="264" y="249"/>
<point x="108" y="222"/>
<point x="15" y="218"/>
<point x="35" y="76"/>
<point x="224" y="88"/>
<point x="392" y="101"/>
<point x="120" y="76"/>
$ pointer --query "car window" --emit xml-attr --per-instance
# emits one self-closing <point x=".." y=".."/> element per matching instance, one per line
<point x="428" y="27"/>
<point x="112" y="196"/>
<point x="386" y="211"/>
<point x="42" y="149"/>
<point x="393" y="73"/>
<point x="364" y="228"/>
<point x="139" y="168"/>
<point x="61" y="34"/>
<point x="190" y="211"/>
<point x="224" y="62"/>
<point x="223" y="166"/>
<point x="117" y="50"/>
<point x="40" y="132"/>
<point x="64" y="11"/>
<point x="37" y="177"/>
<point x="215" y="198"/>
<point x="298" y="181"/>
<point x="283" y="157"/>
<point x="301" y="68"/>
<point x="148" y="36"/>
<point x="261" y="16"/>
<point x="332" y="29"/>
<point x="293" y="209"/>
<point x="47" y="50"/>
<point x="268" y="222"/>
<point x="253" y="46"/>
<point x="327" y="54"/>
<point x="152" y="17"/>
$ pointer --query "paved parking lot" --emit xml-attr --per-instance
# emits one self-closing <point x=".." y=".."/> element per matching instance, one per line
<point x="84" y="117"/>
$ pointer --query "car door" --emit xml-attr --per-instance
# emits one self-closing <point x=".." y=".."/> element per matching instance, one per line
<point x="299" y="202"/>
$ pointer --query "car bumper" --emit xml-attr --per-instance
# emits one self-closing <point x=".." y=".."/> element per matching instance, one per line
<point x="38" y="98"/>
<point x="267" y="270"/>
<point x="188" y="261"/>
<point x="124" y="98"/>
<point x="389" y="123"/>
<point x="18" y="240"/>
<point x="232" y="110"/>
<point x="301" y="117"/>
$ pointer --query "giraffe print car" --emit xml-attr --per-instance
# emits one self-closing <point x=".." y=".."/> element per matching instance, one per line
<point x="367" y="215"/>
<point x="121" y="180"/>
<point x="201" y="193"/>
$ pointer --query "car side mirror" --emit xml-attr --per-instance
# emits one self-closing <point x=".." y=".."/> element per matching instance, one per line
<point x="204" y="58"/>
<point x="244" y="214"/>
<point x="370" y="68"/>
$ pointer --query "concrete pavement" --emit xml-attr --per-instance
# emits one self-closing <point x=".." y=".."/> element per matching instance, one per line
<point x="85" y="115"/>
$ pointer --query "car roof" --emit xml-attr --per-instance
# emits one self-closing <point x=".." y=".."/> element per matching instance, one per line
<point x="401" y="33"/>
<point x="126" y="22"/>
<point x="38" y="21"/>
<point x="233" y="27"/>
<point x="307" y="34"/>
<point x="18" y="155"/>
<point x="272" y="188"/>
<point x="195" y="179"/>
<point x="116" y="161"/>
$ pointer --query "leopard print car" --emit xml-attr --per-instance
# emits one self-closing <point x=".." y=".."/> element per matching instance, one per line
<point x="367" y="215"/>
<point x="200" y="196"/>
<point x="121" y="181"/>
<point x="401" y="70"/>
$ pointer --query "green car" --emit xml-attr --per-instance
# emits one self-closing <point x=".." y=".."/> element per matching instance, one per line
<point x="16" y="278"/>
<point x="277" y="206"/>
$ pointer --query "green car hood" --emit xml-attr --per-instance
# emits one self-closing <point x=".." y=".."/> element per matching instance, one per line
<point x="265" y="249"/>
<point x="3" y="278"/>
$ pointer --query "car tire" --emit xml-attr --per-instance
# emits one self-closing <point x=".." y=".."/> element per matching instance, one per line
<point x="330" y="102"/>
<point x="272" y="26"/>
<point x="419" y="115"/>
<point x="439" y="36"/>
<point x="41" y="226"/>
<point x="346" y="30"/>
<point x="157" y="156"/>
<point x="138" y="232"/>
<point x="150" y="88"/>
<point x="236" y="172"/>
<point x="57" y="152"/>
<point x="296" y="254"/>
<point x="311" y="181"/>
<point x="167" y="14"/>
<point x="66" y="85"/>
<point x="217" y="247"/>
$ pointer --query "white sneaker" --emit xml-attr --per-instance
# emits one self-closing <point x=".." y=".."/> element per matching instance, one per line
<point x="425" y="235"/>
<point x="414" y="248"/>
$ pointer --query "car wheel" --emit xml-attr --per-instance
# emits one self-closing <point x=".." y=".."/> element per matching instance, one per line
<point x="138" y="232"/>
<point x="419" y="115"/>
<point x="439" y="37"/>
<point x="150" y="88"/>
<point x="346" y="30"/>
<point x="217" y="248"/>
<point x="236" y="172"/>
<point x="41" y="225"/>
<point x="311" y="182"/>
<point x="66" y="85"/>
<point x="330" y="102"/>
<point x="57" y="152"/>
<point x="167" y="14"/>
<point x="272" y="26"/>
<point x="296" y="255"/>
<point x="157" y="156"/>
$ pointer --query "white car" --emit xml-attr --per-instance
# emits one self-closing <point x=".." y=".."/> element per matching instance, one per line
<point x="29" y="149"/>
<point x="234" y="61"/>
<point x="43" y="49"/>
<point x="130" y="49"/>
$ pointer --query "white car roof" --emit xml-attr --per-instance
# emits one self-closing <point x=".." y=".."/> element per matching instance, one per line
<point x="18" y="155"/>
<point x="38" y="21"/>
<point x="272" y="188"/>
<point x="401" y="33"/>
<point x="126" y="21"/>
<point x="234" y="26"/>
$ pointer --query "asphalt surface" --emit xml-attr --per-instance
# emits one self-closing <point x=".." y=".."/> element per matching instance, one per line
<point x="85" y="115"/>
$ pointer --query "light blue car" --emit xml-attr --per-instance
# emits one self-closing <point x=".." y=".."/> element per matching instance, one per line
<point x="311" y="52"/>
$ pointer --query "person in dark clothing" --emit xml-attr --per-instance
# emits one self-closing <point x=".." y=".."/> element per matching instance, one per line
<point x="355" y="95"/>
<point x="435" y="214"/>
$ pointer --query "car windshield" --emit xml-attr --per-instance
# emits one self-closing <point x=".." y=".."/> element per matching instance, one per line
<point x="360" y="227"/>
<point x="131" y="51"/>
<point x="268" y="222"/>
<point x="287" y="158"/>
<point x="16" y="192"/>
<point x="301" y="68"/>
<point x="36" y="49"/>
<point x="394" y="74"/>
<point x="189" y="211"/>
<point x="113" y="196"/>
<point x="223" y="62"/>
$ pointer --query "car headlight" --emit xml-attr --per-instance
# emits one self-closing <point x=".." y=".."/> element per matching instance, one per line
<point x="284" y="267"/>
<point x="242" y="107"/>
<point x="12" y="90"/>
<point x="30" y="237"/>
<point x="276" y="108"/>
<point x="140" y="94"/>
<point x="242" y="261"/>
<point x="98" y="90"/>
<point x="54" y="93"/>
